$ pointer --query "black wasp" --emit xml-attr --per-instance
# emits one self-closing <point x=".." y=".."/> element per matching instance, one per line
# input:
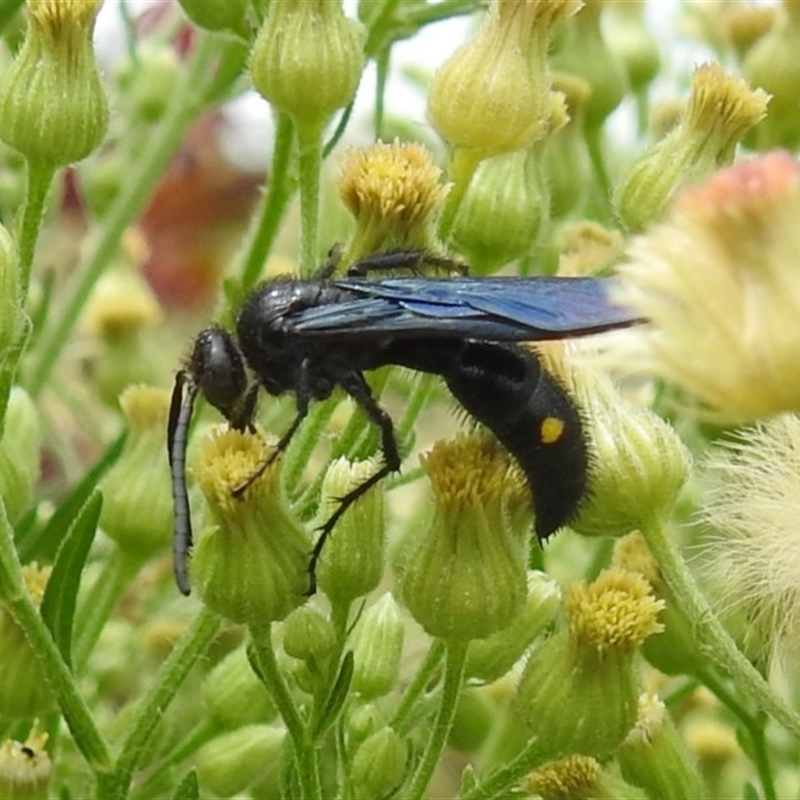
<point x="310" y="336"/>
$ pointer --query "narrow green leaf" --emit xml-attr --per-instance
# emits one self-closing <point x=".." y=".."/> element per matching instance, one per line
<point x="188" y="788"/>
<point x="336" y="699"/>
<point x="58" y="604"/>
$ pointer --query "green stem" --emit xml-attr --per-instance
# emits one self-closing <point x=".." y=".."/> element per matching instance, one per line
<point x="716" y="642"/>
<point x="417" y="400"/>
<point x="453" y="679"/>
<point x="403" y="717"/>
<point x="39" y="177"/>
<point x="150" y="710"/>
<point x="310" y="166"/>
<point x="135" y="192"/>
<point x="266" y="223"/>
<point x="100" y="602"/>
<point x="382" y="62"/>
<point x="29" y="223"/>
<point x="307" y="766"/>
<point x="18" y="603"/>
<point x="755" y="730"/>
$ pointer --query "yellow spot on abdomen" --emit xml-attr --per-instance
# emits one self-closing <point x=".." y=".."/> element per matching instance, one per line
<point x="551" y="430"/>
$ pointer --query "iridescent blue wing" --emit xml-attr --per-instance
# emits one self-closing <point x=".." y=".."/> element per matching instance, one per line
<point x="495" y="309"/>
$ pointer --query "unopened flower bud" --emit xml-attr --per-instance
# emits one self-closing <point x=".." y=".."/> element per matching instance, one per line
<point x="502" y="213"/>
<point x="353" y="559"/>
<point x="24" y="692"/>
<point x="233" y="761"/>
<point x="632" y="42"/>
<point x="720" y="112"/>
<point x="308" y="634"/>
<point x="137" y="507"/>
<point x="474" y="721"/>
<point x="25" y="768"/>
<point x="490" y="96"/>
<point x="122" y="313"/>
<point x="745" y="25"/>
<point x="377" y="647"/>
<point x="394" y="192"/>
<point x="773" y="65"/>
<point x="639" y="464"/>
<point x="153" y="85"/>
<point x="579" y="691"/>
<point x="233" y="694"/>
<point x="53" y="108"/>
<point x="20" y="453"/>
<point x="251" y="566"/>
<point x="464" y="576"/>
<point x="582" y="50"/>
<point x="307" y="59"/>
<point x="490" y="658"/>
<point x="654" y="757"/>
<point x="380" y="764"/>
<point x="215" y="15"/>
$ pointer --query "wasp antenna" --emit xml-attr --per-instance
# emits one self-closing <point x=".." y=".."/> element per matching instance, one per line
<point x="179" y="418"/>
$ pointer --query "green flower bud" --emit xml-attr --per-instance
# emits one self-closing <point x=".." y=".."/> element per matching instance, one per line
<point x="153" y="87"/>
<point x="473" y="722"/>
<point x="25" y="768"/>
<point x="583" y="51"/>
<point x="578" y="693"/>
<point x="654" y="757"/>
<point x="308" y="634"/>
<point x="232" y="762"/>
<point x="632" y="42"/>
<point x="639" y="464"/>
<point x="380" y="764"/>
<point x="307" y="59"/>
<point x="720" y="112"/>
<point x="579" y="776"/>
<point x="464" y="576"/>
<point x="503" y="211"/>
<point x="251" y="566"/>
<point x="234" y="695"/>
<point x="24" y="692"/>
<point x="122" y="313"/>
<point x="746" y="24"/>
<point x="101" y="181"/>
<point x="53" y="108"/>
<point x="490" y="96"/>
<point x="216" y="15"/>
<point x="11" y="303"/>
<point x="773" y="65"/>
<point x="377" y="647"/>
<point x="20" y="449"/>
<point x="353" y="559"/>
<point x="394" y="192"/>
<point x="137" y="500"/>
<point x="490" y="658"/>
